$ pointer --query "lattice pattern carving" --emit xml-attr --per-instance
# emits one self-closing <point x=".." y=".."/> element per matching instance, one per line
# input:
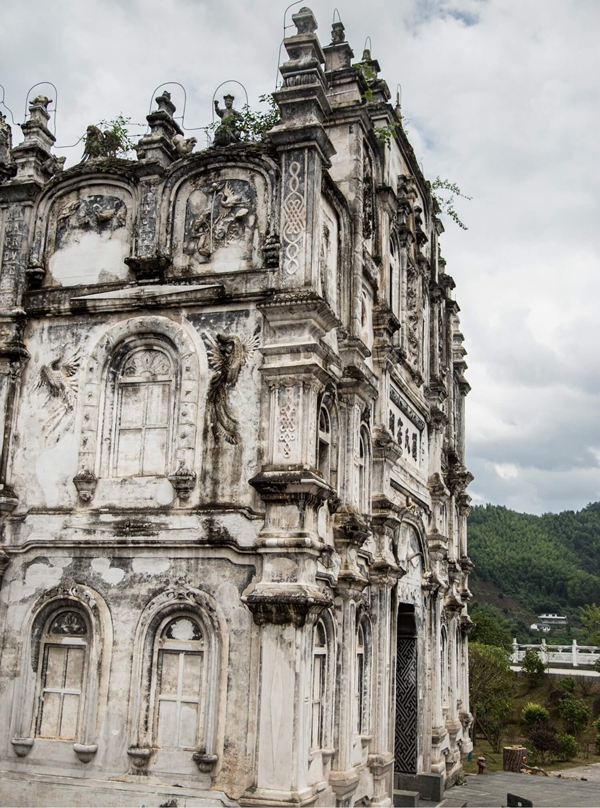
<point x="294" y="217"/>
<point x="406" y="742"/>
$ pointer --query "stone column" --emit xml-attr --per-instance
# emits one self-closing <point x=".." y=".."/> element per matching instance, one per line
<point x="286" y="623"/>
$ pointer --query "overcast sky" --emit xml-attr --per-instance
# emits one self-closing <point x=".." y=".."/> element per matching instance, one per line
<point x="500" y="96"/>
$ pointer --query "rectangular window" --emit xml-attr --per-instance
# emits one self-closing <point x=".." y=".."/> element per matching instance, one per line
<point x="179" y="681"/>
<point x="143" y="418"/>
<point x="62" y="678"/>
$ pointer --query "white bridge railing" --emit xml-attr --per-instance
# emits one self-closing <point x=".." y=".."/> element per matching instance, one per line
<point x="559" y="655"/>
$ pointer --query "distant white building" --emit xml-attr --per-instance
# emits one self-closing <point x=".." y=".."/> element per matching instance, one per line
<point x="540" y="627"/>
<point x="546" y="622"/>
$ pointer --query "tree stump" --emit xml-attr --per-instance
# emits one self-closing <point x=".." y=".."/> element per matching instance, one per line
<point x="514" y="758"/>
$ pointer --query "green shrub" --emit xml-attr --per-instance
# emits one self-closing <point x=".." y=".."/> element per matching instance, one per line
<point x="575" y="713"/>
<point x="598" y="744"/>
<point x="567" y="746"/>
<point x="596" y="724"/>
<point x="543" y="739"/>
<point x="567" y="685"/>
<point x="534" y="713"/>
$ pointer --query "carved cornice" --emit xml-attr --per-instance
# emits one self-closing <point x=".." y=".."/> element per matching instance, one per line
<point x="293" y="604"/>
<point x="149" y="267"/>
<point x="351" y="527"/>
<point x="466" y="624"/>
<point x="278" y="485"/>
<point x="385" y="447"/>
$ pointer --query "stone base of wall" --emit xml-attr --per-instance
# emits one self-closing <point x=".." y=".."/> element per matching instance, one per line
<point x="430" y="786"/>
<point x="30" y="790"/>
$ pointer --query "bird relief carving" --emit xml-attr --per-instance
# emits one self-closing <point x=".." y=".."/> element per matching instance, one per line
<point x="59" y="381"/>
<point x="227" y="355"/>
<point x="220" y="214"/>
<point x="98" y="213"/>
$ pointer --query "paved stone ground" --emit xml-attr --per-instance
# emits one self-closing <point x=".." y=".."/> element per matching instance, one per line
<point x="544" y="792"/>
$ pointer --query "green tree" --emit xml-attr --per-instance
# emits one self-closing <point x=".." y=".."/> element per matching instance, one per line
<point x="491" y="684"/>
<point x="575" y="713"/>
<point x="489" y="627"/>
<point x="533" y="667"/>
<point x="590" y="618"/>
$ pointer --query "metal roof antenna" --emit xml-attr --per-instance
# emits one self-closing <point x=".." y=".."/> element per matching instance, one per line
<point x="49" y="83"/>
<point x="339" y="19"/>
<point x="367" y="51"/>
<point x="285" y="27"/>
<point x="5" y="105"/>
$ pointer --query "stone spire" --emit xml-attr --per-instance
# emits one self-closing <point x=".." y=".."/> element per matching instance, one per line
<point x="165" y="142"/>
<point x="33" y="157"/>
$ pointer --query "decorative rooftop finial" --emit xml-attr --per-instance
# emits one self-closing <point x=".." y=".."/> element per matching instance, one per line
<point x="38" y="109"/>
<point x="165" y="104"/>
<point x="7" y="167"/>
<point x="305" y="21"/>
<point x="338" y="33"/>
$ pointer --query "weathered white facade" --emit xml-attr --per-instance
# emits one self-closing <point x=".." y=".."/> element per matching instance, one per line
<point x="232" y="476"/>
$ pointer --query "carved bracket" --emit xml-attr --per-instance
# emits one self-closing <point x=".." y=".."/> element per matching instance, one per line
<point x="204" y="762"/>
<point x="85" y="752"/>
<point x="148" y="267"/>
<point x="183" y="481"/>
<point x="85" y="482"/>
<point x="22" y="746"/>
<point x="140" y="758"/>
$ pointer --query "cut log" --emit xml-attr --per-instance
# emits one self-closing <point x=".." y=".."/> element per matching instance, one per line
<point x="514" y="758"/>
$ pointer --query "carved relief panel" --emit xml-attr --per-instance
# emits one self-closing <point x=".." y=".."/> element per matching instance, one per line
<point x="220" y="222"/>
<point x="408" y="429"/>
<point x="89" y="236"/>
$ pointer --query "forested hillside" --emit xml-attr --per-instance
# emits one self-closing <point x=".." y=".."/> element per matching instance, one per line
<point x="545" y="563"/>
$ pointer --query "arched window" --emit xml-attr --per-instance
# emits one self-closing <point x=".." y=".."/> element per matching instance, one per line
<point x="362" y="677"/>
<point x="324" y="444"/>
<point x="444" y="666"/>
<point x="140" y="415"/>
<point x="179" y="683"/>
<point x="363" y="471"/>
<point x="63" y="676"/>
<point x="319" y="685"/>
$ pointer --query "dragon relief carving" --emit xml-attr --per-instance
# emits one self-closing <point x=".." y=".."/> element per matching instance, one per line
<point x="59" y="381"/>
<point x="227" y="355"/>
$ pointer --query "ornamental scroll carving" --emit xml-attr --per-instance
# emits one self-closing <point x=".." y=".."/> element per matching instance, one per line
<point x="293" y="212"/>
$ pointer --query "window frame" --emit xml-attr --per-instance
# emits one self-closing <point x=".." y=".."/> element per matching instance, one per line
<point x="109" y="427"/>
<point x="49" y="640"/>
<point x="196" y="647"/>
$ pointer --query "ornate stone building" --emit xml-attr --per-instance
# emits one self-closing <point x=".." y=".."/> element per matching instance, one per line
<point x="232" y="478"/>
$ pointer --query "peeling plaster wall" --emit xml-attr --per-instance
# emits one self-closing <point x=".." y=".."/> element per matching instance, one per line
<point x="232" y="383"/>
